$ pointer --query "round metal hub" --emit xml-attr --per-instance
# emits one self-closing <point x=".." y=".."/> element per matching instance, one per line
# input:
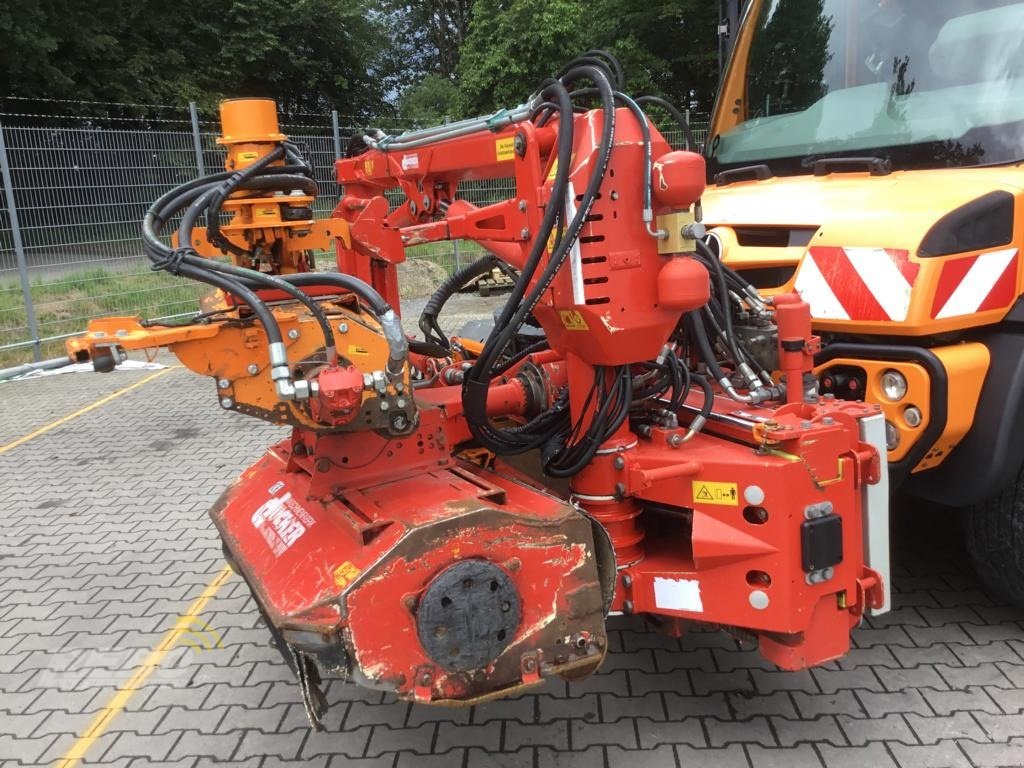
<point x="468" y="615"/>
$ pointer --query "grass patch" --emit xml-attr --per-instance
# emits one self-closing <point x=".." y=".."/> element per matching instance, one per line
<point x="66" y="304"/>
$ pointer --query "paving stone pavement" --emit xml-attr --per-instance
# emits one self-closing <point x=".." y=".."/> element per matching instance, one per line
<point x="106" y="542"/>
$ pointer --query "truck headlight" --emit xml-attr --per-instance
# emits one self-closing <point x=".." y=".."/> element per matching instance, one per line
<point x="892" y="436"/>
<point x="894" y="385"/>
<point x="912" y="415"/>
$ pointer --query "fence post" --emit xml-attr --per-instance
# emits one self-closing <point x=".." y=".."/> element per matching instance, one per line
<point x="336" y="128"/>
<point x="455" y="250"/>
<point x="197" y="139"/>
<point x="19" y="249"/>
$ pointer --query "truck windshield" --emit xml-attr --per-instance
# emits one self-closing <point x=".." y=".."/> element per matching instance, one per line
<point x="924" y="83"/>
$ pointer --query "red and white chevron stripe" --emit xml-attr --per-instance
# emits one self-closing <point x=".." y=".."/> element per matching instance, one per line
<point x="857" y="283"/>
<point x="976" y="284"/>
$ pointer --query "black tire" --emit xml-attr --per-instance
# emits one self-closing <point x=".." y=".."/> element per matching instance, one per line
<point x="994" y="534"/>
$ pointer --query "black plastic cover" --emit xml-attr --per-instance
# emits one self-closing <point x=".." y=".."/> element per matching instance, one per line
<point x="821" y="542"/>
<point x="986" y="222"/>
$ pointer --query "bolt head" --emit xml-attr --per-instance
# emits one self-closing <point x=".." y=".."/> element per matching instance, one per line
<point x="253" y="369"/>
<point x="223" y="383"/>
<point x="524" y="233"/>
<point x="618" y="462"/>
<point x="342" y="327"/>
<point x="384" y="405"/>
<point x="675" y="440"/>
<point x="226" y="402"/>
<point x="293" y="334"/>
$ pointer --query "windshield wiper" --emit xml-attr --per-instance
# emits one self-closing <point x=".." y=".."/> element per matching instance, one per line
<point x="759" y="172"/>
<point x="823" y="166"/>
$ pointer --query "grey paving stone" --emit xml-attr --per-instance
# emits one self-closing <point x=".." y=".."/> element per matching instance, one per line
<point x="732" y="756"/>
<point x="973" y="698"/>
<point x="519" y="735"/>
<point x="811" y="705"/>
<point x="944" y="754"/>
<point x="478" y="758"/>
<point x="891" y="727"/>
<point x="613" y="708"/>
<point x="878" y="704"/>
<point x="418" y="739"/>
<point x="689" y="731"/>
<point x="994" y="755"/>
<point x="659" y="757"/>
<point x="802" y="756"/>
<point x="351" y="743"/>
<point x="936" y="728"/>
<point x="821" y="730"/>
<point x="874" y="755"/>
<point x="583" y="734"/>
<point x="285" y="745"/>
<point x="756" y="730"/>
<point x="454" y="735"/>
<point x="194" y="743"/>
<point x="584" y="758"/>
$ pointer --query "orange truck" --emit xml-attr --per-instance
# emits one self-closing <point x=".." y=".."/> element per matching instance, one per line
<point x="867" y="154"/>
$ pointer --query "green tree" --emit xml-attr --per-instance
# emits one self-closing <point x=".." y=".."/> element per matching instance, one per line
<point x="668" y="47"/>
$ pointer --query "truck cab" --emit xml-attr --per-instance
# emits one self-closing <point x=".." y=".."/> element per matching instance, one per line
<point x="868" y="155"/>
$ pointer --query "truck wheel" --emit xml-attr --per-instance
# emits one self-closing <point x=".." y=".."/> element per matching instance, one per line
<point x="994" y="532"/>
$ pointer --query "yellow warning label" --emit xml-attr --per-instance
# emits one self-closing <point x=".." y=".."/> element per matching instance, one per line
<point x="354" y="350"/>
<point x="505" y="149"/>
<point x="573" y="320"/>
<point x="554" y="170"/>
<point x="248" y="157"/>
<point x="368" y="167"/>
<point x="725" y="494"/>
<point x="267" y="213"/>
<point x="345" y="573"/>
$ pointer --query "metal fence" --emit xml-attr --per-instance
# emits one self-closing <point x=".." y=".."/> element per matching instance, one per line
<point x="77" y="179"/>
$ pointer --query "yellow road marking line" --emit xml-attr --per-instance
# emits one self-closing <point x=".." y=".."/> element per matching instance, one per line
<point x="125" y="692"/>
<point x="83" y="411"/>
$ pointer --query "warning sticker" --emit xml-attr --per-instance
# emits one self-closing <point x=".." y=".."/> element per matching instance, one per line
<point x="410" y="162"/>
<point x="354" y="350"/>
<point x="248" y="157"/>
<point x="368" y="167"/>
<point x="725" y="494"/>
<point x="345" y="573"/>
<point x="573" y="320"/>
<point x="505" y="149"/>
<point x="281" y="521"/>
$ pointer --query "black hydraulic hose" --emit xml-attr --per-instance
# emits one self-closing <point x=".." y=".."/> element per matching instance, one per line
<point x="695" y="327"/>
<point x="478" y="379"/>
<point x="428" y="317"/>
<point x="709" y="393"/>
<point x="242" y="292"/>
<point x="716" y="263"/>
<point x="676" y="114"/>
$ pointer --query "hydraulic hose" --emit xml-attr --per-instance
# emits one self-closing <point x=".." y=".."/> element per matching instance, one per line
<point x="678" y="116"/>
<point x="428" y="317"/>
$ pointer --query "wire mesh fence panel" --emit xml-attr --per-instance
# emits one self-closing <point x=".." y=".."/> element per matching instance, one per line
<point x="82" y="176"/>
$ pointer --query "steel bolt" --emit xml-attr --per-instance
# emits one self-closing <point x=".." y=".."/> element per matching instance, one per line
<point x="522" y="206"/>
<point x="627" y="607"/>
<point x="675" y="440"/>
<point x="524" y="233"/>
<point x="342" y="327"/>
<point x="223" y="383"/>
<point x="226" y="402"/>
<point x="253" y="369"/>
<point x="615" y="195"/>
<point x="399" y="386"/>
<point x="400" y="402"/>
<point x="293" y="334"/>
<point x="618" y="462"/>
<point x="384" y="405"/>
<point x="828" y="421"/>
<point x="323" y="465"/>
<point x="627" y="580"/>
